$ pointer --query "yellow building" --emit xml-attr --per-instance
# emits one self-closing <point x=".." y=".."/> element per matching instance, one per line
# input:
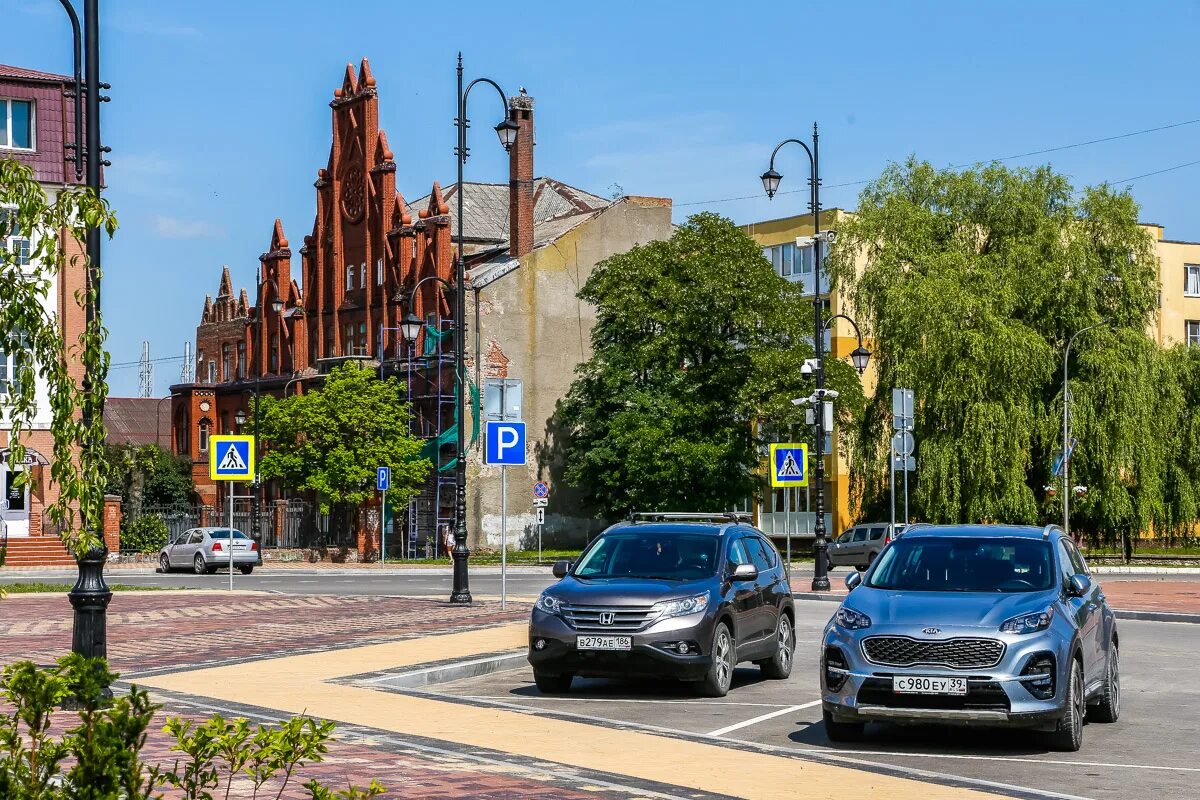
<point x="1178" y="290"/>
<point x="787" y="243"/>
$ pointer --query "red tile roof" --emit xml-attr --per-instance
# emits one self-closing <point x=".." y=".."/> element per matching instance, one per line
<point x="20" y="73"/>
<point x="137" y="420"/>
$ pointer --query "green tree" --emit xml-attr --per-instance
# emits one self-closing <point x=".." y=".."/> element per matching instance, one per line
<point x="30" y="331"/>
<point x="147" y="475"/>
<point x="697" y="351"/>
<point x="330" y="440"/>
<point x="973" y="283"/>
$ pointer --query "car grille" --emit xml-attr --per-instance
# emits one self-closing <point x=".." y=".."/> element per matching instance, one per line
<point x="901" y="651"/>
<point x="625" y="619"/>
<point x="982" y="695"/>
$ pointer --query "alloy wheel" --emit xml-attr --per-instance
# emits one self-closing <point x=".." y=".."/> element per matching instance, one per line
<point x="787" y="642"/>
<point x="724" y="659"/>
<point x="165" y="563"/>
<point x="1114" y="679"/>
<point x="1079" y="701"/>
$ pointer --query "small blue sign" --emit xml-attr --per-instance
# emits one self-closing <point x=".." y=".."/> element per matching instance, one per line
<point x="504" y="444"/>
<point x="788" y="462"/>
<point x="383" y="478"/>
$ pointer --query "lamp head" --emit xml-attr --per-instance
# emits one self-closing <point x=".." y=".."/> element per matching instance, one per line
<point x="507" y="131"/>
<point x="770" y="180"/>
<point x="410" y="328"/>
<point x="860" y="357"/>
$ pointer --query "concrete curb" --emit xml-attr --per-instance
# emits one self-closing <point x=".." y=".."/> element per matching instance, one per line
<point x="450" y="671"/>
<point x="1145" y="616"/>
<point x="1102" y="570"/>
<point x="127" y="572"/>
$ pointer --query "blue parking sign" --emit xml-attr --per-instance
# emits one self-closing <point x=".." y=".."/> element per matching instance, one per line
<point x="504" y="443"/>
<point x="383" y="478"/>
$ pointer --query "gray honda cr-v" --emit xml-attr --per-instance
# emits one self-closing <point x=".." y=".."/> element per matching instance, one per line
<point x="685" y="596"/>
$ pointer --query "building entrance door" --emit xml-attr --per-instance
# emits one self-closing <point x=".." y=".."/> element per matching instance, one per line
<point x="14" y="504"/>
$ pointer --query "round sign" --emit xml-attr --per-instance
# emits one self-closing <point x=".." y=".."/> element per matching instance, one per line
<point x="541" y="489"/>
<point x="902" y="443"/>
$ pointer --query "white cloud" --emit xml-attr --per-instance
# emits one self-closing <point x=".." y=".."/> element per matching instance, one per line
<point x="175" y="228"/>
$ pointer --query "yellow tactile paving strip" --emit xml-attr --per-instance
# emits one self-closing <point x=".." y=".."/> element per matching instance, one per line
<point x="302" y="684"/>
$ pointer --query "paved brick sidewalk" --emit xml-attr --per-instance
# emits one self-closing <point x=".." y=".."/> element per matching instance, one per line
<point x="152" y="630"/>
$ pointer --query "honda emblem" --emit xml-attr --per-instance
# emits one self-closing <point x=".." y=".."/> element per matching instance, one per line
<point x="607" y="617"/>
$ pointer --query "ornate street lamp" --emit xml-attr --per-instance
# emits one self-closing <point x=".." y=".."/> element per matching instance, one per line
<point x="410" y="328"/>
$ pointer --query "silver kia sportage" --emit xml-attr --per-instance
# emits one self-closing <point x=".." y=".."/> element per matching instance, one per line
<point x="975" y="625"/>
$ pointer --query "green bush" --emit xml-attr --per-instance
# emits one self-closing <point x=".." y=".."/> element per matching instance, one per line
<point x="100" y="758"/>
<point x="146" y="534"/>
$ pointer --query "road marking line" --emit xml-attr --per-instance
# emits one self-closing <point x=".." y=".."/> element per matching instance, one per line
<point x="763" y="718"/>
<point x="616" y="700"/>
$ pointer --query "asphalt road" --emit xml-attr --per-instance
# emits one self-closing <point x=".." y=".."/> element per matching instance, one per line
<point x="1149" y="752"/>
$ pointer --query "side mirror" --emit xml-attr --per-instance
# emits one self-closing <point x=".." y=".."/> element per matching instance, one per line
<point x="561" y="568"/>
<point x="853" y="579"/>
<point x="1079" y="585"/>
<point x="744" y="572"/>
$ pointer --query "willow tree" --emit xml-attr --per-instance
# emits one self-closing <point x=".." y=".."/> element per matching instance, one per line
<point x="51" y="230"/>
<point x="697" y="349"/>
<point x="972" y="283"/>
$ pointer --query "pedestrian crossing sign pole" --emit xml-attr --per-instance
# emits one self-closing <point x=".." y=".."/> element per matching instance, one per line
<point x="231" y="458"/>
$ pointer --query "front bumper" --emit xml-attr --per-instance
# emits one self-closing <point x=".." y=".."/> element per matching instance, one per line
<point x="648" y="658"/>
<point x="860" y="691"/>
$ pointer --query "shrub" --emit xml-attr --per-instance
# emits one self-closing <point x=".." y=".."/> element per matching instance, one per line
<point x="146" y="534"/>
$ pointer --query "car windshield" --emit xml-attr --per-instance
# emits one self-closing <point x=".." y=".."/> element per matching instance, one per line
<point x="224" y="534"/>
<point x="669" y="556"/>
<point x="965" y="564"/>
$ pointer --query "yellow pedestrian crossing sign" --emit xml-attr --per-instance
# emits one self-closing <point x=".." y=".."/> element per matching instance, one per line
<point x="231" y="458"/>
<point x="789" y="465"/>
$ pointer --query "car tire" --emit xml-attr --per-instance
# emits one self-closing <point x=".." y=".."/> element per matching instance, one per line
<point x="1067" y="737"/>
<point x="860" y="568"/>
<point x="246" y="570"/>
<point x="553" y="684"/>
<point x="164" y="563"/>
<point x="719" y="676"/>
<point x="1108" y="706"/>
<point x="779" y="666"/>
<point x="198" y="565"/>
<point x="842" y="731"/>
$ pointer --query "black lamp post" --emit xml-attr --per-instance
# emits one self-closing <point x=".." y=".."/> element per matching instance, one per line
<point x="771" y="180"/>
<point x="90" y="595"/>
<point x="277" y="307"/>
<point x="507" y="132"/>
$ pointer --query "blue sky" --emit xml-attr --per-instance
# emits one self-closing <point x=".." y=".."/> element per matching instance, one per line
<point x="219" y="118"/>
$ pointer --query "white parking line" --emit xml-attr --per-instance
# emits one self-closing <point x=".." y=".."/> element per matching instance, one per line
<point x="1021" y="759"/>
<point x="763" y="718"/>
<point x="619" y="700"/>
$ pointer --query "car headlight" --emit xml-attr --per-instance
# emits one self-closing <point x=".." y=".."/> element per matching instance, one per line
<point x="851" y="620"/>
<point x="678" y="608"/>
<point x="1029" y="623"/>
<point x="549" y="603"/>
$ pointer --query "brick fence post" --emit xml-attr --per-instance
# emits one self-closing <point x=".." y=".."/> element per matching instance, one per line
<point x="367" y="530"/>
<point x="112" y="522"/>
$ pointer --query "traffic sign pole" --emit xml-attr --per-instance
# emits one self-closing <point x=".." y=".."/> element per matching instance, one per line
<point x="503" y="538"/>
<point x="230" y="537"/>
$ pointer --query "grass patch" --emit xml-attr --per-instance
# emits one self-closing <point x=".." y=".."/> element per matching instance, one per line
<point x="32" y="588"/>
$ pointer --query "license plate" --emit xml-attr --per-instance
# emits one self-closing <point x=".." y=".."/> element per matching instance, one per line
<point x="604" y="642"/>
<point x="916" y="684"/>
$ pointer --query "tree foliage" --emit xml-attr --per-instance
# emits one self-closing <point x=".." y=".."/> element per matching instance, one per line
<point x="330" y="440"/>
<point x="973" y="283"/>
<point x="697" y="341"/>
<point x="147" y="475"/>
<point x="31" y="331"/>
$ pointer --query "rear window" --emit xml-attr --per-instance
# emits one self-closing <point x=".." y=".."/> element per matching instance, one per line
<point x="635" y="554"/>
<point x="224" y="534"/>
<point x="965" y="564"/>
<point x="877" y="533"/>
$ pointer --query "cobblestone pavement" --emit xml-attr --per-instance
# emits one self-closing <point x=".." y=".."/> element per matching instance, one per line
<point x="151" y="631"/>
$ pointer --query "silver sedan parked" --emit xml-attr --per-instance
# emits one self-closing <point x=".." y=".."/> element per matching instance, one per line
<point x="204" y="550"/>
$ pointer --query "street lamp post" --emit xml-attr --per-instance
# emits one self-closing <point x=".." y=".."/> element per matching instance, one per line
<point x="1066" y="427"/>
<point x="771" y="180"/>
<point x="507" y="131"/>
<point x="277" y="307"/>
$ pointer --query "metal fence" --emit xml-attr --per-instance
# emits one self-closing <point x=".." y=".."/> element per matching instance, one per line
<point x="292" y="523"/>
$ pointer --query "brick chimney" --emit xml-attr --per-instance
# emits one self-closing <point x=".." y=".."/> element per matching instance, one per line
<point x="520" y="177"/>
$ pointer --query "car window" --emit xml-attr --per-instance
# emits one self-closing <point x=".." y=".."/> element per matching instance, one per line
<point x="845" y="537"/>
<point x="737" y="553"/>
<point x="197" y="537"/>
<point x="877" y="532"/>
<point x="1065" y="567"/>
<point x="964" y="564"/>
<point x="223" y="533"/>
<point x="1076" y="559"/>
<point x="638" y="554"/>
<point x="860" y="534"/>
<point x="770" y="551"/>
<point x="758" y="557"/>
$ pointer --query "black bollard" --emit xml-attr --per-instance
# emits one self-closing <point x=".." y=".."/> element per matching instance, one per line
<point x="90" y="597"/>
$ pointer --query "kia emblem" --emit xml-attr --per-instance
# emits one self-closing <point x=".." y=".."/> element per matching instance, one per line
<point x="931" y="631"/>
<point x="607" y="617"/>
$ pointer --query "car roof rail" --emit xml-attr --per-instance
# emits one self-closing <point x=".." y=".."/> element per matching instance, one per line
<point x="1048" y="529"/>
<point x="905" y="527"/>
<point x="690" y="516"/>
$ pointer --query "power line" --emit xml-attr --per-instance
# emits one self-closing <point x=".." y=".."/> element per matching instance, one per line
<point x="1157" y="172"/>
<point x="1001" y="158"/>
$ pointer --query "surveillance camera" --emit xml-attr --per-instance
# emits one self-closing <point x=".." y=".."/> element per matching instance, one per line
<point x="831" y="236"/>
<point x="806" y="369"/>
<point x="800" y="401"/>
